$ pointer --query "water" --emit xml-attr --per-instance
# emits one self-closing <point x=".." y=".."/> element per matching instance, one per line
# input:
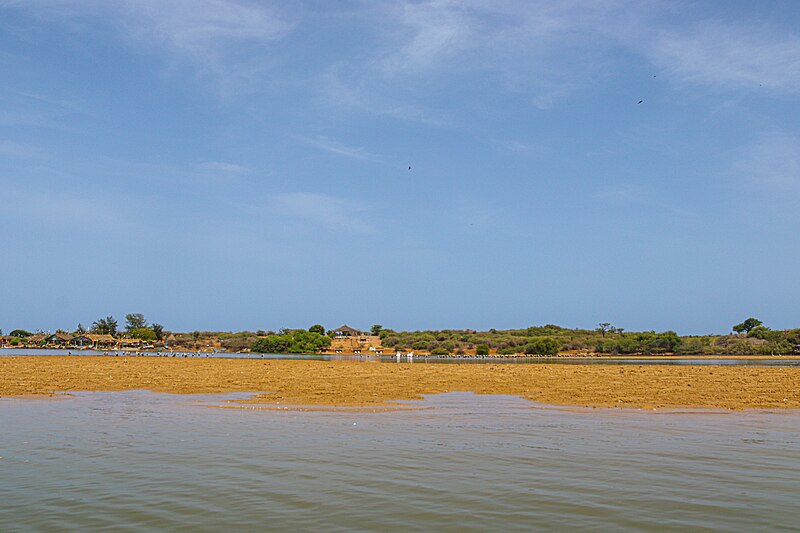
<point x="138" y="461"/>
<point x="605" y="360"/>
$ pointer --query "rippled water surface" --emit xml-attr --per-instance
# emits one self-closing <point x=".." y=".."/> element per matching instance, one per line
<point x="137" y="461"/>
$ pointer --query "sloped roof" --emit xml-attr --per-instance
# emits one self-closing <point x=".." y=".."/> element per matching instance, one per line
<point x="347" y="329"/>
<point x="94" y="337"/>
<point x="66" y="337"/>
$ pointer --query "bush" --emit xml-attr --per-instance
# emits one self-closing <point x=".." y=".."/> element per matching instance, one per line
<point x="439" y="351"/>
<point x="542" y="346"/>
<point x="509" y="350"/>
<point x="482" y="349"/>
<point x="238" y="342"/>
<point x="297" y="341"/>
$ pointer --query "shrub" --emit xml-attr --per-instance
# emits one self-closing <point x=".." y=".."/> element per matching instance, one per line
<point x="482" y="349"/>
<point x="542" y="346"/>
<point x="439" y="351"/>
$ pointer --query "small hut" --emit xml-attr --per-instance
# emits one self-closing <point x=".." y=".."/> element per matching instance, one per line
<point x="346" y="331"/>
<point x="58" y="340"/>
<point x="101" y="342"/>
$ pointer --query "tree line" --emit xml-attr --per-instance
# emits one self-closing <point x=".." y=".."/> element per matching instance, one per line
<point x="750" y="336"/>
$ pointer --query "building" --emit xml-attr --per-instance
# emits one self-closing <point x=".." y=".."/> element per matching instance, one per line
<point x="58" y="340"/>
<point x="350" y="341"/>
<point x="130" y="343"/>
<point x="37" y="339"/>
<point x="101" y="342"/>
<point x="345" y="331"/>
<point x="81" y="341"/>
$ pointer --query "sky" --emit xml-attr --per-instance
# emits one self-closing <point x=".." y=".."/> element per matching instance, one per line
<point x="233" y="164"/>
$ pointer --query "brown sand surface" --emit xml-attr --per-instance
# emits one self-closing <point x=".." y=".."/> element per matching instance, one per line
<point x="358" y="383"/>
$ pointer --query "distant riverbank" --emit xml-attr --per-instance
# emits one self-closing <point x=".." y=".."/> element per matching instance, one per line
<point x="354" y="383"/>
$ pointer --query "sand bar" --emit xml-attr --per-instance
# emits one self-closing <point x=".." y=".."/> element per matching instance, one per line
<point x="357" y="383"/>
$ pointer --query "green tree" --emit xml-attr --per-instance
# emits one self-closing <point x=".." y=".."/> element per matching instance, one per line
<point x="765" y="333"/>
<point x="271" y="344"/>
<point x="158" y="330"/>
<point x="482" y="349"/>
<point x="80" y="330"/>
<point x="105" y="326"/>
<point x="747" y="325"/>
<point x="604" y="327"/>
<point x="135" y="321"/>
<point x="376" y="329"/>
<point x="317" y="328"/>
<point x="297" y="341"/>
<point x="146" y="334"/>
<point x="20" y="333"/>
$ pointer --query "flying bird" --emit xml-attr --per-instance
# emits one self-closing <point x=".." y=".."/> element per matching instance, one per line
<point x="409" y="167"/>
<point x="639" y="102"/>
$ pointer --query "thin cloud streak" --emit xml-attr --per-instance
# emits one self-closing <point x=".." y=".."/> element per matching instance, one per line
<point x="335" y="147"/>
<point x="730" y="57"/>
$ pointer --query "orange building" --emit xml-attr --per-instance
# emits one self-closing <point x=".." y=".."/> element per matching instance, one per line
<point x="350" y="341"/>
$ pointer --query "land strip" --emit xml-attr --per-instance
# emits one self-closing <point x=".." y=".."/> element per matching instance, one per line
<point x="345" y="383"/>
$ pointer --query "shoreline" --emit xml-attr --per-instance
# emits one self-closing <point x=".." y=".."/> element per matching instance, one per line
<point x="360" y="383"/>
<point x="358" y="357"/>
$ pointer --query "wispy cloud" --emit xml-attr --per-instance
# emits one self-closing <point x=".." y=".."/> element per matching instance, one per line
<point x="724" y="56"/>
<point x="39" y="109"/>
<point x="519" y="147"/>
<point x="323" y="211"/>
<point x="228" y="40"/>
<point x="335" y="147"/>
<point x="359" y="88"/>
<point x="517" y="47"/>
<point x="206" y="32"/>
<point x="222" y="167"/>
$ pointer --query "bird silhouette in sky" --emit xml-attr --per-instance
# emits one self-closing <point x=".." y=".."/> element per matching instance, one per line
<point x="409" y="167"/>
<point x="639" y="102"/>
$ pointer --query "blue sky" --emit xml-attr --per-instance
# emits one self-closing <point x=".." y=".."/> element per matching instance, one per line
<point x="231" y="164"/>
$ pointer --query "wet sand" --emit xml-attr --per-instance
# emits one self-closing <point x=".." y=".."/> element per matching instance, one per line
<point x="358" y="383"/>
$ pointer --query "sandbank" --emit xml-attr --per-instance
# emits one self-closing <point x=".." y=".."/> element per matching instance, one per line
<point x="359" y="383"/>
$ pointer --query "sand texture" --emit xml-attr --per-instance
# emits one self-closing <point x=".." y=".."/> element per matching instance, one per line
<point x="358" y="383"/>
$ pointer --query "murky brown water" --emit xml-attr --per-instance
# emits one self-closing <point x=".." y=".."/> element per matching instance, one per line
<point x="137" y="461"/>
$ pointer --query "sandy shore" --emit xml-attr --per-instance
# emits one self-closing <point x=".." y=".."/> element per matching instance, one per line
<point x="356" y="383"/>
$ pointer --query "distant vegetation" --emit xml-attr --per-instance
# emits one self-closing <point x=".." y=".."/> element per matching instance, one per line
<point x="296" y="341"/>
<point x="749" y="337"/>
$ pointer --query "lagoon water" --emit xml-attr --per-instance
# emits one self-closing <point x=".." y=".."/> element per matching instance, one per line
<point x="788" y="361"/>
<point x="138" y="461"/>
